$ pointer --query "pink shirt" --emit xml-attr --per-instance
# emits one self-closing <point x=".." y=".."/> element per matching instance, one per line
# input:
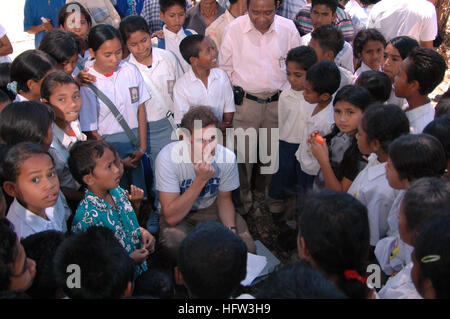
<point x="255" y="61"/>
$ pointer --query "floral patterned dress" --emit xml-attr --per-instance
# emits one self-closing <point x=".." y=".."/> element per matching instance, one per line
<point x="94" y="211"/>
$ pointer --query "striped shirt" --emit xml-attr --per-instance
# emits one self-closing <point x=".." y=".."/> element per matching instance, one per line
<point x="343" y="22"/>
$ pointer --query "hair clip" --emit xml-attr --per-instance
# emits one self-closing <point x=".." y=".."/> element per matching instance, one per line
<point x="12" y="86"/>
<point x="430" y="259"/>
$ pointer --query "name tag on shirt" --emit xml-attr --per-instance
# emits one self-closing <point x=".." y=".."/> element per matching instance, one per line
<point x="134" y="93"/>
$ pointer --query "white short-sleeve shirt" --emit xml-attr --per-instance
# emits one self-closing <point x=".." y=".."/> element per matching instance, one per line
<point x="393" y="254"/>
<point x="176" y="176"/>
<point x="27" y="223"/>
<point x="292" y="109"/>
<point x="413" y="18"/>
<point x="322" y="122"/>
<point x="371" y="188"/>
<point x="3" y="58"/>
<point x="400" y="286"/>
<point x="125" y="88"/>
<point x="190" y="91"/>
<point x="419" y="117"/>
<point x="159" y="80"/>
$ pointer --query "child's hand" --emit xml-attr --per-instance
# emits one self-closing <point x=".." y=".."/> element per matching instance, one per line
<point x="136" y="157"/>
<point x="203" y="171"/>
<point x="135" y="196"/>
<point x="319" y="150"/>
<point x="139" y="255"/>
<point x="159" y="34"/>
<point x="148" y="240"/>
<point x="128" y="162"/>
<point x="85" y="77"/>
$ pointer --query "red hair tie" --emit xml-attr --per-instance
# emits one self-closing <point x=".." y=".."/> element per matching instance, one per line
<point x="353" y="274"/>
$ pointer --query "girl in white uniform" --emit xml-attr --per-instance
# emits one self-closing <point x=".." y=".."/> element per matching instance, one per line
<point x="122" y="83"/>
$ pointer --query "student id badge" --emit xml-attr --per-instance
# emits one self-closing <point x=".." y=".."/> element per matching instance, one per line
<point x="134" y="93"/>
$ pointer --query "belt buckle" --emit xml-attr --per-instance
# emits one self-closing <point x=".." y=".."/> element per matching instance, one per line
<point x="261" y="101"/>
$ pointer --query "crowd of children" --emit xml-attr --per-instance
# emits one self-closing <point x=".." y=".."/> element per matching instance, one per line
<point x="88" y="124"/>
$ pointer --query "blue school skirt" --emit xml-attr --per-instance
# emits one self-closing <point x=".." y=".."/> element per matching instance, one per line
<point x="122" y="144"/>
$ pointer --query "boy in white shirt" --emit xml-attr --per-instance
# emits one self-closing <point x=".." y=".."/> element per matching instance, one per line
<point x="321" y="82"/>
<point x="419" y="74"/>
<point x="292" y="109"/>
<point x="204" y="84"/>
<point x="173" y="13"/>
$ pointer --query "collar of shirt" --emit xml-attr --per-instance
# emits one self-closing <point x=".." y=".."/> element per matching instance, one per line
<point x="374" y="167"/>
<point x="156" y="58"/>
<point x="293" y="93"/>
<point x="64" y="139"/>
<point x="418" y="112"/>
<point x="35" y="222"/>
<point x="102" y="205"/>
<point x="212" y="76"/>
<point x="171" y="35"/>
<point x="91" y="63"/>
<point x="248" y="27"/>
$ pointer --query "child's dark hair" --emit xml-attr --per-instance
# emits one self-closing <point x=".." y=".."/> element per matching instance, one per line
<point x="364" y="36"/>
<point x="384" y="122"/>
<point x="403" y="44"/>
<point x="54" y="79"/>
<point x="8" y="252"/>
<point x="212" y="261"/>
<point x="303" y="55"/>
<point x="106" y="268"/>
<point x="329" y="38"/>
<point x="417" y="155"/>
<point x="298" y="281"/>
<point x="166" y="4"/>
<point x="426" y="67"/>
<point x="443" y="106"/>
<point x="424" y="200"/>
<point x="30" y="65"/>
<point x="132" y="24"/>
<point x="14" y="158"/>
<point x="190" y="46"/>
<point x="101" y="33"/>
<point x="61" y="45"/>
<point x="432" y="253"/>
<point x="355" y="95"/>
<point x="202" y="113"/>
<point x="41" y="247"/>
<point x="26" y="121"/>
<point x="4" y="97"/>
<point x="321" y="84"/>
<point x="335" y="228"/>
<point x="5" y="78"/>
<point x="378" y="84"/>
<point x="70" y="8"/>
<point x="332" y="4"/>
<point x="83" y="157"/>
<point x="440" y="128"/>
<point x="155" y="283"/>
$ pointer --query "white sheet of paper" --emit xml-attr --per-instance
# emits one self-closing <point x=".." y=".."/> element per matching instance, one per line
<point x="255" y="264"/>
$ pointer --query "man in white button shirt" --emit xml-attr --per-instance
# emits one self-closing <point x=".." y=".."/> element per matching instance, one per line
<point x="253" y="52"/>
<point x="414" y="18"/>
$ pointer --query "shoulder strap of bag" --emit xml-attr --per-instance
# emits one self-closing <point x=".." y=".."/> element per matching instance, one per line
<point x="161" y="43"/>
<point x="133" y="139"/>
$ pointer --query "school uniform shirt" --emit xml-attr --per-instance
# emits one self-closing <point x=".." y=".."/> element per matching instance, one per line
<point x="27" y="223"/>
<point x="360" y="15"/>
<point x="420" y="117"/>
<point x="413" y="18"/>
<point x="95" y="211"/>
<point x="172" y="43"/>
<point x="363" y="68"/>
<point x="216" y="29"/>
<point x="125" y="88"/>
<point x="393" y="254"/>
<point x="344" y="58"/>
<point x="59" y="150"/>
<point x="254" y="61"/>
<point x="190" y="91"/>
<point x="291" y="112"/>
<point x="160" y="76"/>
<point x="322" y="122"/>
<point x="346" y="78"/>
<point x="20" y="98"/>
<point x="400" y="286"/>
<point x="371" y="188"/>
<point x="175" y="173"/>
<point x="394" y="212"/>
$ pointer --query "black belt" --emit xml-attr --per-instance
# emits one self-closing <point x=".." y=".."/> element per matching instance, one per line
<point x="273" y="98"/>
